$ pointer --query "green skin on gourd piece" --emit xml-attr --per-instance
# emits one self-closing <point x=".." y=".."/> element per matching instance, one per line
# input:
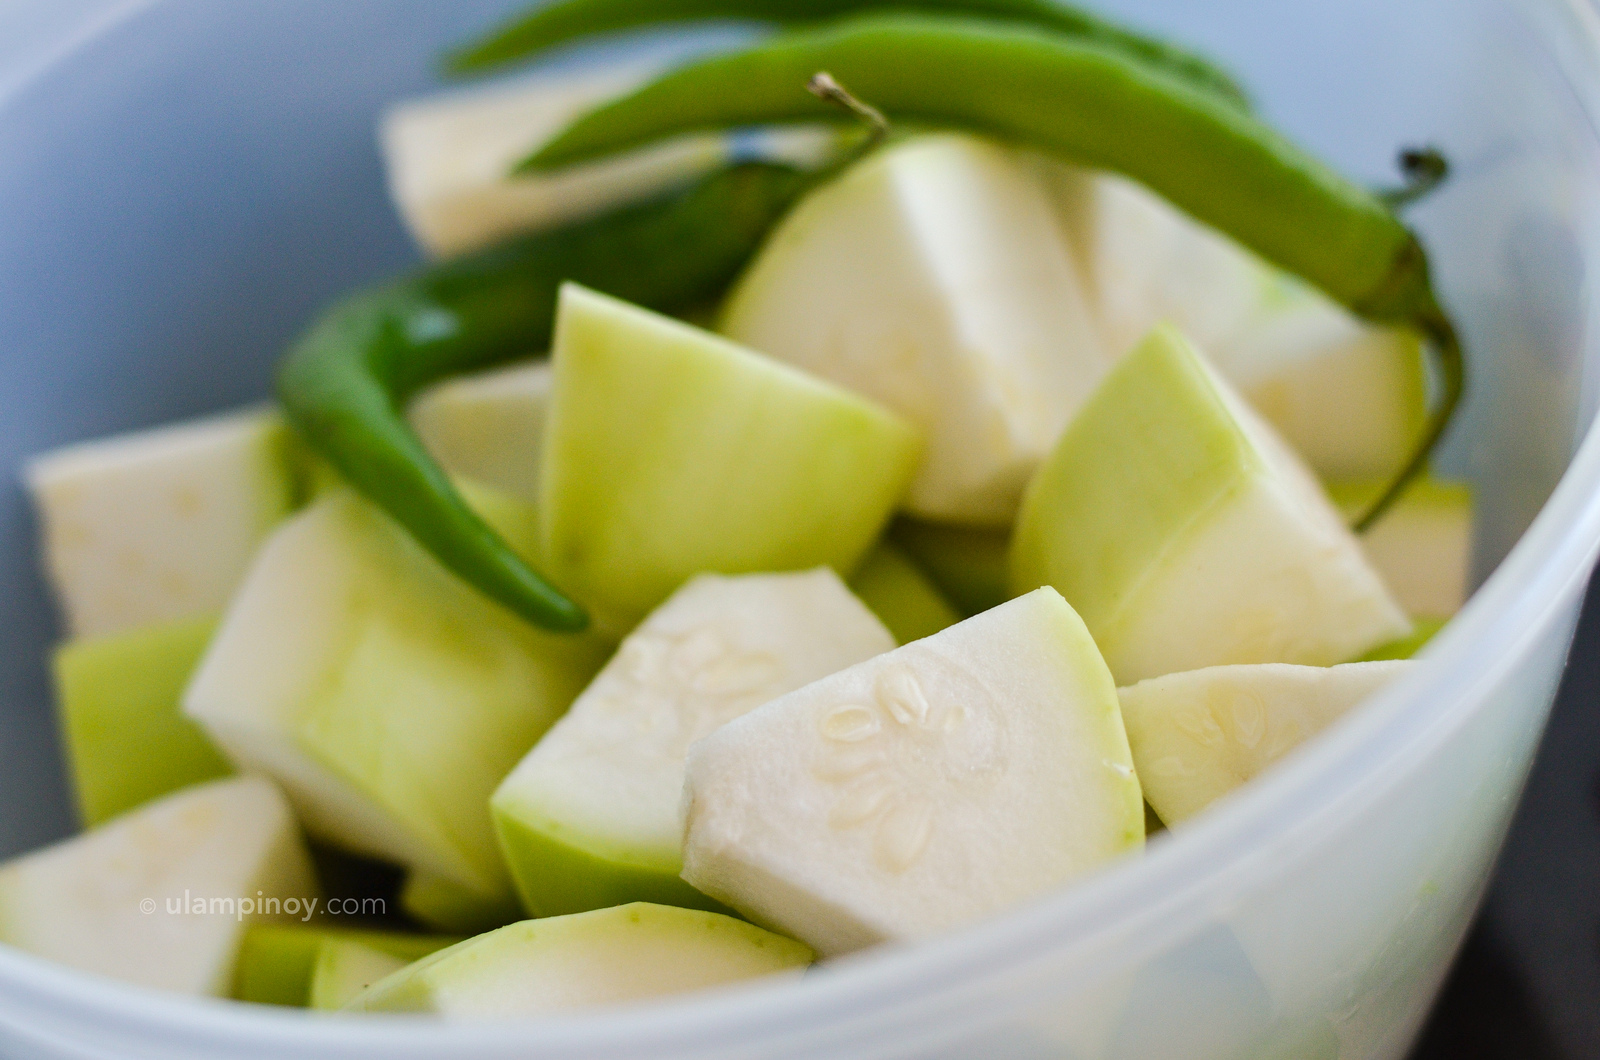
<point x="1408" y="647"/>
<point x="670" y="451"/>
<point x="967" y="563"/>
<point x="607" y="956"/>
<point x="900" y="594"/>
<point x="344" y="969"/>
<point x="384" y="694"/>
<point x="126" y="738"/>
<point x="566" y="875"/>
<point x="443" y="905"/>
<point x="277" y="962"/>
<point x="1188" y="535"/>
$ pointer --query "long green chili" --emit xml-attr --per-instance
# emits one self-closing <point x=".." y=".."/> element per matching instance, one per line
<point x="565" y="20"/>
<point x="1089" y="103"/>
<point x="345" y="383"/>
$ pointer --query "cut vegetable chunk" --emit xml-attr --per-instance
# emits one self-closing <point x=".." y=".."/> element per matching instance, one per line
<point x="591" y="817"/>
<point x="386" y="696"/>
<point x="1422" y="545"/>
<point x="1197" y="736"/>
<point x="277" y="962"/>
<point x="1349" y="396"/>
<point x="1423" y="631"/>
<point x="1188" y="535"/>
<point x="443" y="905"/>
<point x="345" y="968"/>
<point x="161" y="896"/>
<point x="606" y="957"/>
<point x="901" y="595"/>
<point x="122" y="722"/>
<point x="967" y="563"/>
<point x="933" y="278"/>
<point x="670" y="452"/>
<point x="488" y="428"/>
<point x="450" y="157"/>
<point x="1144" y="261"/>
<point x="922" y="789"/>
<point x="159" y="525"/>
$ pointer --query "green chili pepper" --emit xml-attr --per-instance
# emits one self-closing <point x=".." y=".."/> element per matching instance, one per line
<point x="345" y="383"/>
<point x="1091" y="104"/>
<point x="567" y="20"/>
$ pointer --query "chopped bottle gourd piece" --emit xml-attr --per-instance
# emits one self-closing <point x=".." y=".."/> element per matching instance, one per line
<point x="967" y="563"/>
<point x="277" y="962"/>
<point x="1423" y="548"/>
<point x="933" y="277"/>
<point x="560" y="964"/>
<point x="898" y="591"/>
<point x="119" y="702"/>
<point x="591" y="816"/>
<point x="1423" y="630"/>
<point x="1349" y="396"/>
<point x="159" y="525"/>
<point x="1423" y="544"/>
<point x="922" y="789"/>
<point x="344" y="968"/>
<point x="1187" y="534"/>
<point x="386" y="696"/>
<point x="441" y="904"/>
<point x="488" y="428"/>
<point x="670" y="452"/>
<point x="449" y="159"/>
<point x="161" y="896"/>
<point x="450" y="156"/>
<point x="1197" y="736"/>
<point x="1144" y="261"/>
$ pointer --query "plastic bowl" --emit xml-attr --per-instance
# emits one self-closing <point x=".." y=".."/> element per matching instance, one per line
<point x="181" y="183"/>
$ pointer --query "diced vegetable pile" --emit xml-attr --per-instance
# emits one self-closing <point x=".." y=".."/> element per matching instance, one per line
<point x="996" y="499"/>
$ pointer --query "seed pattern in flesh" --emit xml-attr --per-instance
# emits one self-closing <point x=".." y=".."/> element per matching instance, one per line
<point x="677" y="687"/>
<point x="898" y="754"/>
<point x="1237" y="717"/>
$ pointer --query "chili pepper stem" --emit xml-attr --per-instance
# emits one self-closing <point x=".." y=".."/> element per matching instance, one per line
<point x="823" y="86"/>
<point x="1424" y="169"/>
<point x="1441" y="334"/>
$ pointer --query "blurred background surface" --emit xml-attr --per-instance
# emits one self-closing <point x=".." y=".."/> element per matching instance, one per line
<point x="1527" y="984"/>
